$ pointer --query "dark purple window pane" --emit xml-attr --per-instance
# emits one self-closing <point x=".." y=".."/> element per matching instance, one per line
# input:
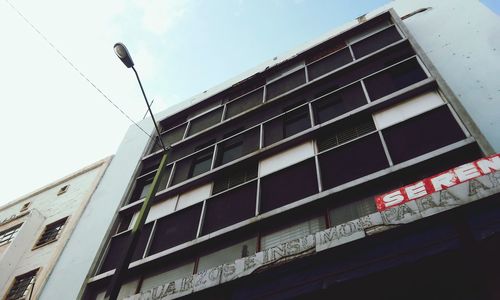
<point x="175" y="229"/>
<point x="296" y="121"/>
<point x="394" y="79"/>
<point x="244" y="103"/>
<point x="375" y="42"/>
<point x="329" y="63"/>
<point x="117" y="247"/>
<point x="201" y="164"/>
<point x="422" y="134"/>
<point x="238" y="146"/>
<point x="288" y="185"/>
<point x="205" y="121"/>
<point x="340" y="102"/>
<point x="285" y="84"/>
<point x="229" y="208"/>
<point x="352" y="160"/>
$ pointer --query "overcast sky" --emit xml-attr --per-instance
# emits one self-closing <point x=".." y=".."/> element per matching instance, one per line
<point x="53" y="122"/>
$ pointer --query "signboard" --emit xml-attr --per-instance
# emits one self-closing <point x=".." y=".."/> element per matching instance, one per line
<point x="439" y="182"/>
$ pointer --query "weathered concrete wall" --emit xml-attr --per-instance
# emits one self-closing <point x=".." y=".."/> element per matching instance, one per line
<point x="15" y="251"/>
<point x="80" y="254"/>
<point x="45" y="206"/>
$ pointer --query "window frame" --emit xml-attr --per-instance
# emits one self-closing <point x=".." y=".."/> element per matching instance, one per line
<point x="27" y="289"/>
<point x="12" y="232"/>
<point x="58" y="226"/>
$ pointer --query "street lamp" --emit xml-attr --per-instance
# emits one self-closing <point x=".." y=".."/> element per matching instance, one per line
<point x="123" y="54"/>
<point x="131" y="242"/>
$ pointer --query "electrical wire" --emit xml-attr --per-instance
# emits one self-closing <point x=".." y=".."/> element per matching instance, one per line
<point x="75" y="68"/>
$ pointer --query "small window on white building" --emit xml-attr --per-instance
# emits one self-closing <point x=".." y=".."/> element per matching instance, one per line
<point x="8" y="235"/>
<point x="63" y="190"/>
<point x="25" y="207"/>
<point x="51" y="232"/>
<point x="22" y="286"/>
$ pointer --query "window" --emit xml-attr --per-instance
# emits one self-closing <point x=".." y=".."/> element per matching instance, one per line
<point x="117" y="246"/>
<point x="244" y="103"/>
<point x="203" y="122"/>
<point x="63" y="190"/>
<point x="193" y="165"/>
<point x="329" y="63"/>
<point x="292" y="232"/>
<point x="351" y="210"/>
<point x="352" y="160"/>
<point x="51" y="232"/>
<point x="285" y="84"/>
<point x="230" y="207"/>
<point x="343" y="132"/>
<point x="175" y="229"/>
<point x="238" y="146"/>
<point x="22" y="286"/>
<point x="201" y="164"/>
<point x="25" y="206"/>
<point x="8" y="235"/>
<point x="338" y="103"/>
<point x="234" y="177"/>
<point x="231" y="151"/>
<point x="227" y="254"/>
<point x="376" y="42"/>
<point x="394" y="79"/>
<point x="288" y="185"/>
<point x="421" y="134"/>
<point x="172" y="136"/>
<point x="296" y="121"/>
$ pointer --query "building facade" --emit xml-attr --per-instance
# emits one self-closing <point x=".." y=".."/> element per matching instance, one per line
<point x="361" y="164"/>
<point x="35" y="228"/>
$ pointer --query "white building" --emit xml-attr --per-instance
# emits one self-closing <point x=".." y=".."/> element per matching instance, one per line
<point x="35" y="228"/>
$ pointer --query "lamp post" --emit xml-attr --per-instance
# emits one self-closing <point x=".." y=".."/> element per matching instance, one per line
<point x="131" y="242"/>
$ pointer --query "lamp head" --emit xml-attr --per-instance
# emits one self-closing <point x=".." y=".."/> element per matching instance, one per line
<point x="123" y="54"/>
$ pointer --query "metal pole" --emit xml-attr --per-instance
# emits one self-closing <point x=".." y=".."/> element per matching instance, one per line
<point x="131" y="242"/>
<point x="149" y="108"/>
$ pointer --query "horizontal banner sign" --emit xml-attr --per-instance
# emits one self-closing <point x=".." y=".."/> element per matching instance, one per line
<point x="439" y="182"/>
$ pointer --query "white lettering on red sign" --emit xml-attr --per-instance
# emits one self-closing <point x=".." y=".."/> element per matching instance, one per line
<point x="439" y="182"/>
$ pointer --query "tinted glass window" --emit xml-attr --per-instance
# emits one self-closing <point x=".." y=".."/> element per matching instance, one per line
<point x="205" y="121"/>
<point x="296" y="121"/>
<point x="234" y="177"/>
<point x="117" y="247"/>
<point x="394" y="79"/>
<point x="340" y="102"/>
<point x="329" y="63"/>
<point x="238" y="146"/>
<point x="241" y="202"/>
<point x="422" y="134"/>
<point x="375" y="42"/>
<point x="244" y="103"/>
<point x="176" y="228"/>
<point x="201" y="164"/>
<point x="285" y="84"/>
<point x="343" y="132"/>
<point x="288" y="185"/>
<point x="353" y="160"/>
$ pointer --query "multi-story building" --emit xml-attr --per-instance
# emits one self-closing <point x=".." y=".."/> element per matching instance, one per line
<point x="361" y="164"/>
<point x="35" y="228"/>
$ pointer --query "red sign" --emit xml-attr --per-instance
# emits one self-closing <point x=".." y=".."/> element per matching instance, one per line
<point x="439" y="182"/>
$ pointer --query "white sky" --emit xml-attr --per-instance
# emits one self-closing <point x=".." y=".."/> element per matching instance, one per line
<point x="53" y="122"/>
